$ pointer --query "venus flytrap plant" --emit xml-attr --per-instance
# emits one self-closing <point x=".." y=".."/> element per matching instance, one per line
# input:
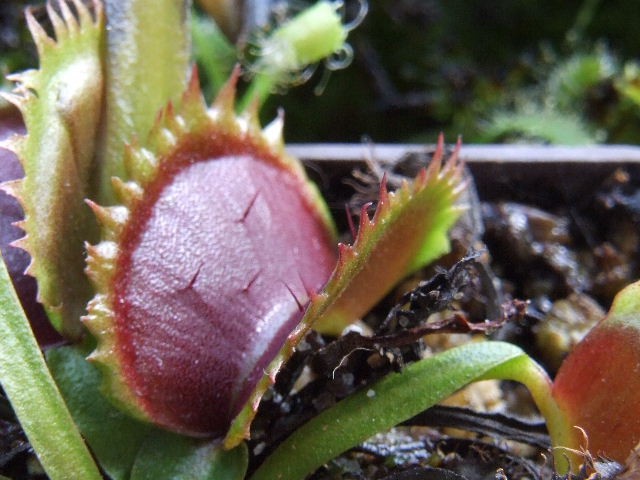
<point x="71" y="75"/>
<point x="235" y="306"/>
<point x="217" y="256"/>
<point x="203" y="166"/>
<point x="225" y="168"/>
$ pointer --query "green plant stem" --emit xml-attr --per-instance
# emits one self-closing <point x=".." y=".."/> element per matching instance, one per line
<point x="388" y="402"/>
<point x="565" y="438"/>
<point x="35" y="397"/>
<point x="213" y="52"/>
<point x="147" y="65"/>
<point x="259" y="90"/>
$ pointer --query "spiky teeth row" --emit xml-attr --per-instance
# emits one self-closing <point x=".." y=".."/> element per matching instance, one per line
<point x="205" y="267"/>
<point x="61" y="107"/>
<point x="221" y="258"/>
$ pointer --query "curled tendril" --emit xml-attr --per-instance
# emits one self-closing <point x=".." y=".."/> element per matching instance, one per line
<point x="359" y="18"/>
<point x="296" y="78"/>
<point x="302" y="76"/>
<point x="289" y="54"/>
<point x="322" y="84"/>
<point x="340" y="59"/>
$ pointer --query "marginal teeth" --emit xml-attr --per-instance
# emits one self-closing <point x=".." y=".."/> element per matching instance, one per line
<point x="83" y="11"/>
<point x="99" y="305"/>
<point x="12" y="188"/>
<point x="177" y="124"/>
<point x="273" y="132"/>
<point x="140" y="163"/>
<point x="39" y="35"/>
<point x="166" y="139"/>
<point x="69" y="19"/>
<point x="106" y="251"/>
<point x="226" y="121"/>
<point x="127" y="192"/>
<point x="225" y="102"/>
<point x="119" y="215"/>
<point x="193" y="109"/>
<point x="112" y="219"/>
<point x="59" y="27"/>
<point x="22" y="243"/>
<point x="97" y="320"/>
<point x="21" y="224"/>
<point x="21" y="91"/>
<point x="101" y="262"/>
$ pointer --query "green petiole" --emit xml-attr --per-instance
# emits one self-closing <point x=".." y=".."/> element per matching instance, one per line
<point x="34" y="396"/>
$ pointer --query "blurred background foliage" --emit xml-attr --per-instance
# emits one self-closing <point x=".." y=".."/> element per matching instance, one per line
<point x="502" y="71"/>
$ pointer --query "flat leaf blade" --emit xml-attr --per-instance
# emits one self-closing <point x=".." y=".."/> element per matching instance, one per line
<point x="167" y="456"/>
<point x="114" y="437"/>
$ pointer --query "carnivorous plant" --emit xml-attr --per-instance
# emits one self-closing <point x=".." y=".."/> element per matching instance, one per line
<point x="210" y="255"/>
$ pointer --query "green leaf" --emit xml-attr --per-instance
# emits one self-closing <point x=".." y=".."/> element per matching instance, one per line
<point x="395" y="398"/>
<point x="126" y="448"/>
<point x="114" y="437"/>
<point x="571" y="80"/>
<point x="168" y="456"/>
<point x="629" y="83"/>
<point x="213" y="53"/>
<point x="538" y="124"/>
<point x="34" y="396"/>
<point x="565" y="438"/>
<point x="61" y="106"/>
<point x="408" y="230"/>
<point x="148" y="57"/>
